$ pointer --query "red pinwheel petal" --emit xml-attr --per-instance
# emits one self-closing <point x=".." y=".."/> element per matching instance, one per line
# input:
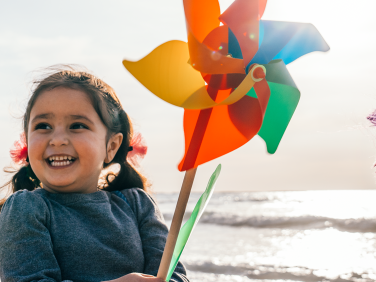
<point x="224" y="81"/>
<point x="214" y="132"/>
<point x="242" y="17"/>
<point x="218" y="40"/>
<point x="262" y="6"/>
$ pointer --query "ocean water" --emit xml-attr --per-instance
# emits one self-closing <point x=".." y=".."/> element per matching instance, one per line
<point x="281" y="236"/>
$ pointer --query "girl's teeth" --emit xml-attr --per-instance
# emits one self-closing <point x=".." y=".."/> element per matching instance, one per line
<point x="61" y="163"/>
<point x="61" y="160"/>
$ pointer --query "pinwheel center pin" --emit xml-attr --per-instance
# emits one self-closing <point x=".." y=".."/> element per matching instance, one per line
<point x="257" y="72"/>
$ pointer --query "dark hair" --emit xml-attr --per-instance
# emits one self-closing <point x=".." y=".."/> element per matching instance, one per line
<point x="110" y="111"/>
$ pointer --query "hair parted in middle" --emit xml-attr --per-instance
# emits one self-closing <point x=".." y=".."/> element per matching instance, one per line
<point x="109" y="109"/>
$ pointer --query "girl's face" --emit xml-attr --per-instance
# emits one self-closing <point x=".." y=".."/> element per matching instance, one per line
<point x="67" y="141"/>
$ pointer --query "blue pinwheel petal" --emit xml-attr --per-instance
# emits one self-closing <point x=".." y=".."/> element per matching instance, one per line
<point x="233" y="46"/>
<point x="261" y="33"/>
<point x="287" y="41"/>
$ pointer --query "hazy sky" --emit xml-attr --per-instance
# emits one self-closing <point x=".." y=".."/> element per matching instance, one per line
<point x="328" y="144"/>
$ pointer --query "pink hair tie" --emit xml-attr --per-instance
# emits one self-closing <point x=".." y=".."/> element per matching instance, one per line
<point x="19" y="152"/>
<point x="137" y="149"/>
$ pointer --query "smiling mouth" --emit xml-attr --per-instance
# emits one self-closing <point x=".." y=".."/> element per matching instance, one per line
<point x="60" y="161"/>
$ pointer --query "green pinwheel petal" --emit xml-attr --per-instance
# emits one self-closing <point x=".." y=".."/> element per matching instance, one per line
<point x="187" y="228"/>
<point x="252" y="93"/>
<point x="284" y="98"/>
<point x="282" y="104"/>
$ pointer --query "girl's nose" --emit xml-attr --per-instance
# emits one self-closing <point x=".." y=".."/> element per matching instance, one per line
<point x="59" y="138"/>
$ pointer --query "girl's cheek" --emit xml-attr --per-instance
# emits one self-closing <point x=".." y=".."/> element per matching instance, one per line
<point x="36" y="146"/>
<point x="89" y="146"/>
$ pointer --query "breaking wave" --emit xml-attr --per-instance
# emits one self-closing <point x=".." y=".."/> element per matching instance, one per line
<point x="274" y="273"/>
<point x="300" y="222"/>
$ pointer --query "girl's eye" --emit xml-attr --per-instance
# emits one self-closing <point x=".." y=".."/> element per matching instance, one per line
<point x="42" y="126"/>
<point x="78" y="126"/>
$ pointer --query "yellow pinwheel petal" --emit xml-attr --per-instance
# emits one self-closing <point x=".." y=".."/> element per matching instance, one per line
<point x="166" y="73"/>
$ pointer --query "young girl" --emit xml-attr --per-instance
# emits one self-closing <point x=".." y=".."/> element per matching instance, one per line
<point x="59" y="224"/>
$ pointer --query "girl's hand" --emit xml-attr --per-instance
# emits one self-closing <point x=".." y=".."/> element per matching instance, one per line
<point x="137" y="277"/>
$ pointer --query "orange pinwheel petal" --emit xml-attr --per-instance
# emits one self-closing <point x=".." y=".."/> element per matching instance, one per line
<point x="202" y="18"/>
<point x="214" y="132"/>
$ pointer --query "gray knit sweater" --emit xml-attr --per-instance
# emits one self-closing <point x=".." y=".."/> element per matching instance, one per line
<point x="81" y="237"/>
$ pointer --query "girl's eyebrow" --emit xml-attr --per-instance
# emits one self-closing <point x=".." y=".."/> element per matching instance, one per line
<point x="51" y="115"/>
<point x="42" y="116"/>
<point x="75" y="117"/>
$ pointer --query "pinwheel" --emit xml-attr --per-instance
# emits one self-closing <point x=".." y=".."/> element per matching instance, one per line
<point x="231" y="78"/>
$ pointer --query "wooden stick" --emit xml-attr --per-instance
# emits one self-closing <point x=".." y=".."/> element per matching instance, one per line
<point x="176" y="223"/>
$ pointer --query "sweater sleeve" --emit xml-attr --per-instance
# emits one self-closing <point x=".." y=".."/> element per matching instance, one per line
<point x="26" y="252"/>
<point x="153" y="232"/>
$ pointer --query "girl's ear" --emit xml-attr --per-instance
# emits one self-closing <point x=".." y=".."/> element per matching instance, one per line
<point x="113" y="146"/>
